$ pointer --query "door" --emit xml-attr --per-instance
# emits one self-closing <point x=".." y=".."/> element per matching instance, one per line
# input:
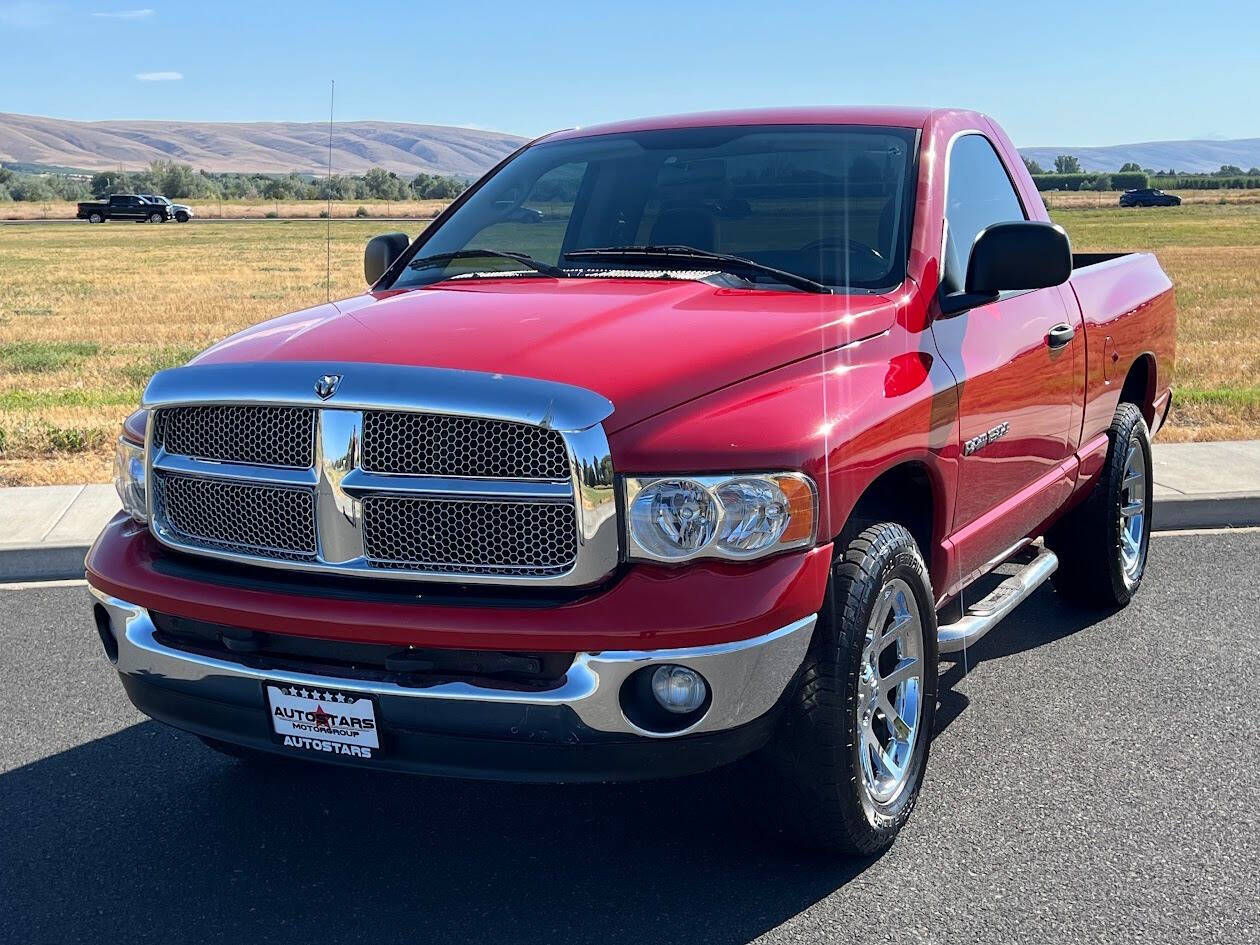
<point x="1014" y="362"/>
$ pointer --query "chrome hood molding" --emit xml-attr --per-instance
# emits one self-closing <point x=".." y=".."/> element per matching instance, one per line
<point x="365" y="386"/>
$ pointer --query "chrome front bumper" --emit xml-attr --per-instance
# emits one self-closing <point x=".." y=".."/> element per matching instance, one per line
<point x="746" y="677"/>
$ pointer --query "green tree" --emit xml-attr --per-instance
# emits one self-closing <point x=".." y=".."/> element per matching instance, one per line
<point x="29" y="187"/>
<point x="105" y="183"/>
<point x="1067" y="164"/>
<point x="384" y="185"/>
<point x="1130" y="167"/>
<point x="68" y="188"/>
<point x="446" y="188"/>
<point x="338" y="188"/>
<point x="1228" y="170"/>
<point x="1033" y="166"/>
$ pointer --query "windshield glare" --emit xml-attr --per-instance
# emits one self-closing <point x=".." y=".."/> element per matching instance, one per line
<point x="825" y="202"/>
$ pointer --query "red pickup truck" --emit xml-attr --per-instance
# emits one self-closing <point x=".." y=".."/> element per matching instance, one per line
<point x="670" y="443"/>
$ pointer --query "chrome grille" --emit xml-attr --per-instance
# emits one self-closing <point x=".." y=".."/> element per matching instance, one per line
<point x="274" y="522"/>
<point x="469" y="536"/>
<point x="400" y="472"/>
<point x="420" y="444"/>
<point x="256" y="435"/>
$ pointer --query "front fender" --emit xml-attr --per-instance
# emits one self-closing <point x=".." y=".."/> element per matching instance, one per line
<point x="843" y="417"/>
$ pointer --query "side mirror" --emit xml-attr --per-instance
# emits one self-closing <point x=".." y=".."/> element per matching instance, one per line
<point x="1009" y="257"/>
<point x="1023" y="255"/>
<point x="380" y="254"/>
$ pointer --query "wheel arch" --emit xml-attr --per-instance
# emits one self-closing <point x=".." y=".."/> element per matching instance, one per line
<point x="910" y="494"/>
<point x="1139" y="387"/>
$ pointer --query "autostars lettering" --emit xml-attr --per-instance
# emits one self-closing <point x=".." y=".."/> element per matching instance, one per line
<point x="336" y="748"/>
<point x="319" y="719"/>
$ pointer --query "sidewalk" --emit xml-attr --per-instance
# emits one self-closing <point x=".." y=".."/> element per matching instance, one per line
<point x="48" y="529"/>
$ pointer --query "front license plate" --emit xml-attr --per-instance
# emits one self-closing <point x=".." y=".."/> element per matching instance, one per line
<point x="323" y="720"/>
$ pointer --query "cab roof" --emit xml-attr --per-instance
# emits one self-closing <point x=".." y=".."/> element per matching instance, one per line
<point x="892" y="116"/>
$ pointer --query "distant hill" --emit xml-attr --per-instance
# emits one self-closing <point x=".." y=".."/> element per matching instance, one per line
<point x="272" y="147"/>
<point x="280" y="147"/>
<point x="1206" y="155"/>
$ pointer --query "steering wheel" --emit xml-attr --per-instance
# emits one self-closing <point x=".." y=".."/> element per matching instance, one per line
<point x="849" y="245"/>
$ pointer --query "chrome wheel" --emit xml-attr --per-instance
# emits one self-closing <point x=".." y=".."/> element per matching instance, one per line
<point x="1133" y="511"/>
<point x="890" y="695"/>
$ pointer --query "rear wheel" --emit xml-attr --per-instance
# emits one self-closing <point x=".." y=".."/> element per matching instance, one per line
<point x="1102" y="544"/>
<point x="155" y="218"/>
<point x="95" y="218"/>
<point x="847" y="764"/>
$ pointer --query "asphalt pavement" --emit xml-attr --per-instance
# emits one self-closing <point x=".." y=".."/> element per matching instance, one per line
<point x="1093" y="779"/>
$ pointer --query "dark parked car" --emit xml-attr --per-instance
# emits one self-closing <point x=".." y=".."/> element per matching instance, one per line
<point x="1148" y="197"/>
<point x="181" y="213"/>
<point x="124" y="207"/>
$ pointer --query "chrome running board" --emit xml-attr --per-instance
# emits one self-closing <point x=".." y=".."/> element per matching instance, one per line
<point x="984" y="614"/>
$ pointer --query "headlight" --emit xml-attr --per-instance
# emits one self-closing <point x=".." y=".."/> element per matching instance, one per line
<point x="741" y="516"/>
<point x="129" y="479"/>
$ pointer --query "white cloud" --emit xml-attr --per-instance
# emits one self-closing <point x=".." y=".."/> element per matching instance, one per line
<point x="126" y="14"/>
<point x="159" y="76"/>
<point x="28" y="15"/>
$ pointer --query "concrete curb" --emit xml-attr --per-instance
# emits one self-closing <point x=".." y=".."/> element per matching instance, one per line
<point x="51" y="561"/>
<point x="1210" y="510"/>
<point x="48" y="561"/>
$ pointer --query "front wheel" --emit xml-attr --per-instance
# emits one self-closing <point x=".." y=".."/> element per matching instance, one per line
<point x="848" y="761"/>
<point x="1102" y="544"/>
<point x="181" y="217"/>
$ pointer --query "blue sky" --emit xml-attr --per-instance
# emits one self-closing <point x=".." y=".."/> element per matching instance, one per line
<point x="1058" y="73"/>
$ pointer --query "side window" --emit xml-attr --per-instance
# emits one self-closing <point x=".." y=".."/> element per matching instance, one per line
<point x="979" y="193"/>
<point x="535" y="223"/>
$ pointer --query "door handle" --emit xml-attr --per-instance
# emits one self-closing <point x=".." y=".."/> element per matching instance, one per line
<point x="1060" y="335"/>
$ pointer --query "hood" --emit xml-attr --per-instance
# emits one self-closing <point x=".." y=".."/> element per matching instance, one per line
<point x="645" y="344"/>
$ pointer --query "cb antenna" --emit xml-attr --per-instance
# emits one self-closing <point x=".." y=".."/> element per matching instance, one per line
<point x="332" y="95"/>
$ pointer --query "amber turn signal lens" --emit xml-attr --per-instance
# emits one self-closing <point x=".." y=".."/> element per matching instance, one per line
<point x="134" y="426"/>
<point x="800" y="507"/>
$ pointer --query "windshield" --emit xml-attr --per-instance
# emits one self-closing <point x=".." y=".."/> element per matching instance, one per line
<point x="827" y="203"/>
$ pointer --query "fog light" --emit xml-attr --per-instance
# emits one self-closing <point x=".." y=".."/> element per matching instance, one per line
<point x="679" y="689"/>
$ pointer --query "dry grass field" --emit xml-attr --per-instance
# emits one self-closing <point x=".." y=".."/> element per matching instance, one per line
<point x="238" y="209"/>
<point x="1101" y="199"/>
<point x="1212" y="254"/>
<point x="88" y="313"/>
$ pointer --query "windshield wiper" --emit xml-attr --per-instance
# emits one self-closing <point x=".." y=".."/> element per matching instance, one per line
<point x="438" y="259"/>
<point x="721" y="261"/>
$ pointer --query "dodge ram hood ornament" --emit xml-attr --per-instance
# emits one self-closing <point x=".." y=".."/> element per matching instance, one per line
<point x="326" y="386"/>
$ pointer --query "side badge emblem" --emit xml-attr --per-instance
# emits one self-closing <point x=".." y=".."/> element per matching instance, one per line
<point x="326" y="386"/>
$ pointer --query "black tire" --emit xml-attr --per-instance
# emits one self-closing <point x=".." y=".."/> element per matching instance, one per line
<point x="1089" y="540"/>
<point x="95" y="218"/>
<point x="813" y="766"/>
<point x="181" y="217"/>
<point x="156" y="218"/>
